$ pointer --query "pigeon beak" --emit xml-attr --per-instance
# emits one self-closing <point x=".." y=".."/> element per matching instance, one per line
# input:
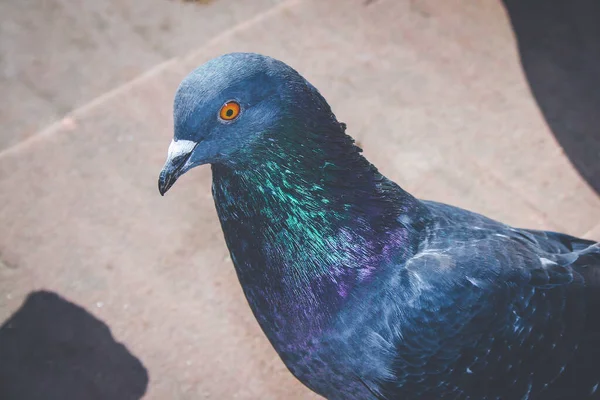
<point x="176" y="165"/>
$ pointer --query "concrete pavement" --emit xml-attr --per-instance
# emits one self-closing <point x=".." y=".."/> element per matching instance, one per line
<point x="57" y="55"/>
<point x="433" y="90"/>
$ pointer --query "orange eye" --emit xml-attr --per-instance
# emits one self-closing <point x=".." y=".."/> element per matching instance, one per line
<point x="229" y="111"/>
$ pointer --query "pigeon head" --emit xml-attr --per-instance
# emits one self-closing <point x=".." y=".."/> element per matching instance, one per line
<point x="224" y="110"/>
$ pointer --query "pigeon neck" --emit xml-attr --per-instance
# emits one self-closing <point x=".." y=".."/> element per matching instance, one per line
<point x="307" y="224"/>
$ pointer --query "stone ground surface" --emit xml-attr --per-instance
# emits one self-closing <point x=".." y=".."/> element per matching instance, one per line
<point x="434" y="91"/>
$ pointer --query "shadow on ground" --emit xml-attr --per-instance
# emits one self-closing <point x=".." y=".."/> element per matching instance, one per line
<point x="52" y="349"/>
<point x="559" y="42"/>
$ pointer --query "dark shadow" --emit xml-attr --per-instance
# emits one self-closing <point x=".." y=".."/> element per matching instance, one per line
<point x="52" y="349"/>
<point x="559" y="42"/>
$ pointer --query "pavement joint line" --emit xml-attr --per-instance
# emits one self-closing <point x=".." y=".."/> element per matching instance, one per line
<point x="243" y="25"/>
<point x="593" y="230"/>
<point x="57" y="125"/>
<point x="489" y="172"/>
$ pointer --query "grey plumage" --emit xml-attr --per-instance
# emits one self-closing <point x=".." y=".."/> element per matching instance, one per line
<point x="365" y="291"/>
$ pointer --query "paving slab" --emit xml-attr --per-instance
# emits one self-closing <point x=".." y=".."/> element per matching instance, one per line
<point x="23" y="112"/>
<point x="83" y="218"/>
<point x="428" y="95"/>
<point x="593" y="234"/>
<point x="67" y="52"/>
<point x="434" y="108"/>
<point x="559" y="44"/>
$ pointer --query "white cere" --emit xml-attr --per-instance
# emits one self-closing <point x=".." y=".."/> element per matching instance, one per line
<point x="180" y="147"/>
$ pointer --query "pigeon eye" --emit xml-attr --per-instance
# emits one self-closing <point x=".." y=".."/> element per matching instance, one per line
<point x="229" y="111"/>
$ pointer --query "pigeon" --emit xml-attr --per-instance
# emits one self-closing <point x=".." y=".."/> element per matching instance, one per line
<point x="365" y="291"/>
